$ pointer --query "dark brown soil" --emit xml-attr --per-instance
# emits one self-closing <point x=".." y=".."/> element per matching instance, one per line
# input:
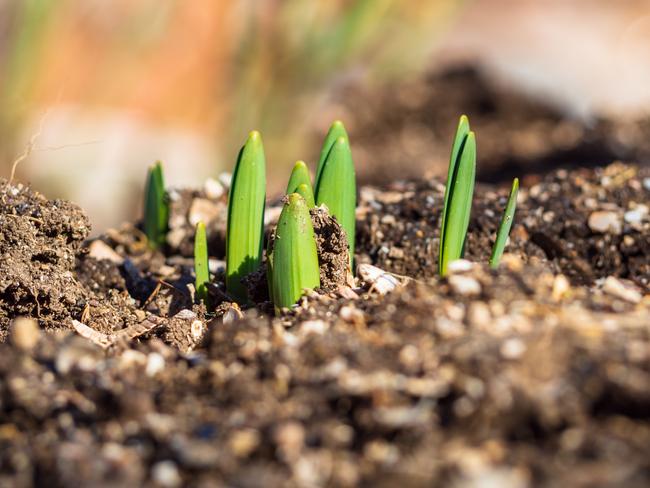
<point x="537" y="374"/>
<point x="403" y="131"/>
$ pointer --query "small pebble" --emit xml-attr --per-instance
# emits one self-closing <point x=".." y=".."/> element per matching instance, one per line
<point x="464" y="285"/>
<point x="100" y="250"/>
<point x="513" y="348"/>
<point x="459" y="266"/>
<point x="213" y="189"/>
<point x="25" y="333"/>
<point x="225" y="179"/>
<point x="561" y="286"/>
<point x="605" y="222"/>
<point x="377" y="278"/>
<point x="616" y="288"/>
<point x="243" y="442"/>
<point x="165" y="474"/>
<point x="636" y="215"/>
<point x="155" y="364"/>
<point x="203" y="210"/>
<point x="646" y="183"/>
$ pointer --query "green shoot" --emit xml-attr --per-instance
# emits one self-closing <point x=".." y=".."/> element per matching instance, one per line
<point x="294" y="259"/>
<point x="504" y="226"/>
<point x="245" y="228"/>
<point x="156" y="207"/>
<point x="307" y="193"/>
<point x="336" y="130"/>
<point x="337" y="188"/>
<point x="201" y="270"/>
<point x="458" y="196"/>
<point x="299" y="176"/>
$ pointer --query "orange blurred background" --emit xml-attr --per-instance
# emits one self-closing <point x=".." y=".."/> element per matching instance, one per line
<point x="104" y="88"/>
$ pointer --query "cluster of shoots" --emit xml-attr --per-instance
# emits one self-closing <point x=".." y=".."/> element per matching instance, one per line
<point x="458" y="202"/>
<point x="292" y="266"/>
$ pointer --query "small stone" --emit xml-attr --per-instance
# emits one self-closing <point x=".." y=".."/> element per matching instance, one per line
<point x="636" y="215"/>
<point x="378" y="279"/>
<point x="616" y="288"/>
<point x="165" y="474"/>
<point x="155" y="364"/>
<point x="100" y="250"/>
<point x="315" y="327"/>
<point x="213" y="189"/>
<point x="225" y="179"/>
<point x="464" y="285"/>
<point x="409" y="358"/>
<point x="232" y="314"/>
<point x="176" y="236"/>
<point x="605" y="222"/>
<point x="513" y="349"/>
<point x="479" y="314"/>
<point x="561" y="286"/>
<point x="352" y="315"/>
<point x="203" y="210"/>
<point x="25" y="333"/>
<point x="646" y="183"/>
<point x="459" y="266"/>
<point x="243" y="442"/>
<point x="290" y="439"/>
<point x="79" y="354"/>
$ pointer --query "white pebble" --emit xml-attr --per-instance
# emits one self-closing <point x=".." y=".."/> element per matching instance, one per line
<point x="155" y="364"/>
<point x="616" y="288"/>
<point x="636" y="215"/>
<point x="513" y="348"/>
<point x="605" y="222"/>
<point x="165" y="474"/>
<point x="464" y="285"/>
<point x="212" y="188"/>
<point x="459" y="266"/>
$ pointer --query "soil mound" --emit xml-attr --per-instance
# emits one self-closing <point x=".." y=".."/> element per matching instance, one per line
<point x="39" y="241"/>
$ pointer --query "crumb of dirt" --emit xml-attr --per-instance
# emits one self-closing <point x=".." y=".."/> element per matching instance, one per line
<point x="333" y="254"/>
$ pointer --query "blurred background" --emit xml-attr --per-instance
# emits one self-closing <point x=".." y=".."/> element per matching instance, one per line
<point x="93" y="91"/>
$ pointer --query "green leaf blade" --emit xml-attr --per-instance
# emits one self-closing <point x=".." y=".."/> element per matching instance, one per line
<point x="337" y="189"/>
<point x="458" y="202"/>
<point x="459" y="141"/>
<point x="245" y="227"/>
<point x="505" y="225"/>
<point x="156" y="207"/>
<point x="201" y="270"/>
<point x="336" y="130"/>
<point x="294" y="259"/>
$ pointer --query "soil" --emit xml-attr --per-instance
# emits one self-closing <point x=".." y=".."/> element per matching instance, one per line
<point x="535" y="374"/>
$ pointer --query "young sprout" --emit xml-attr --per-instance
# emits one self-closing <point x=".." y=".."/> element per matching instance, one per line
<point x="337" y="187"/>
<point x="293" y="262"/>
<point x="156" y="207"/>
<point x="458" y="196"/>
<point x="299" y="176"/>
<point x="336" y="130"/>
<point x="201" y="270"/>
<point x="245" y="228"/>
<point x="505" y="225"/>
<point x="307" y="193"/>
<point x="300" y="182"/>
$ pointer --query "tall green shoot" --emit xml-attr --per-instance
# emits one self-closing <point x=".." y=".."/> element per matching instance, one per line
<point x="505" y="225"/>
<point x="245" y="228"/>
<point x="458" y="196"/>
<point x="337" y="187"/>
<point x="156" y="207"/>
<point x="201" y="270"/>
